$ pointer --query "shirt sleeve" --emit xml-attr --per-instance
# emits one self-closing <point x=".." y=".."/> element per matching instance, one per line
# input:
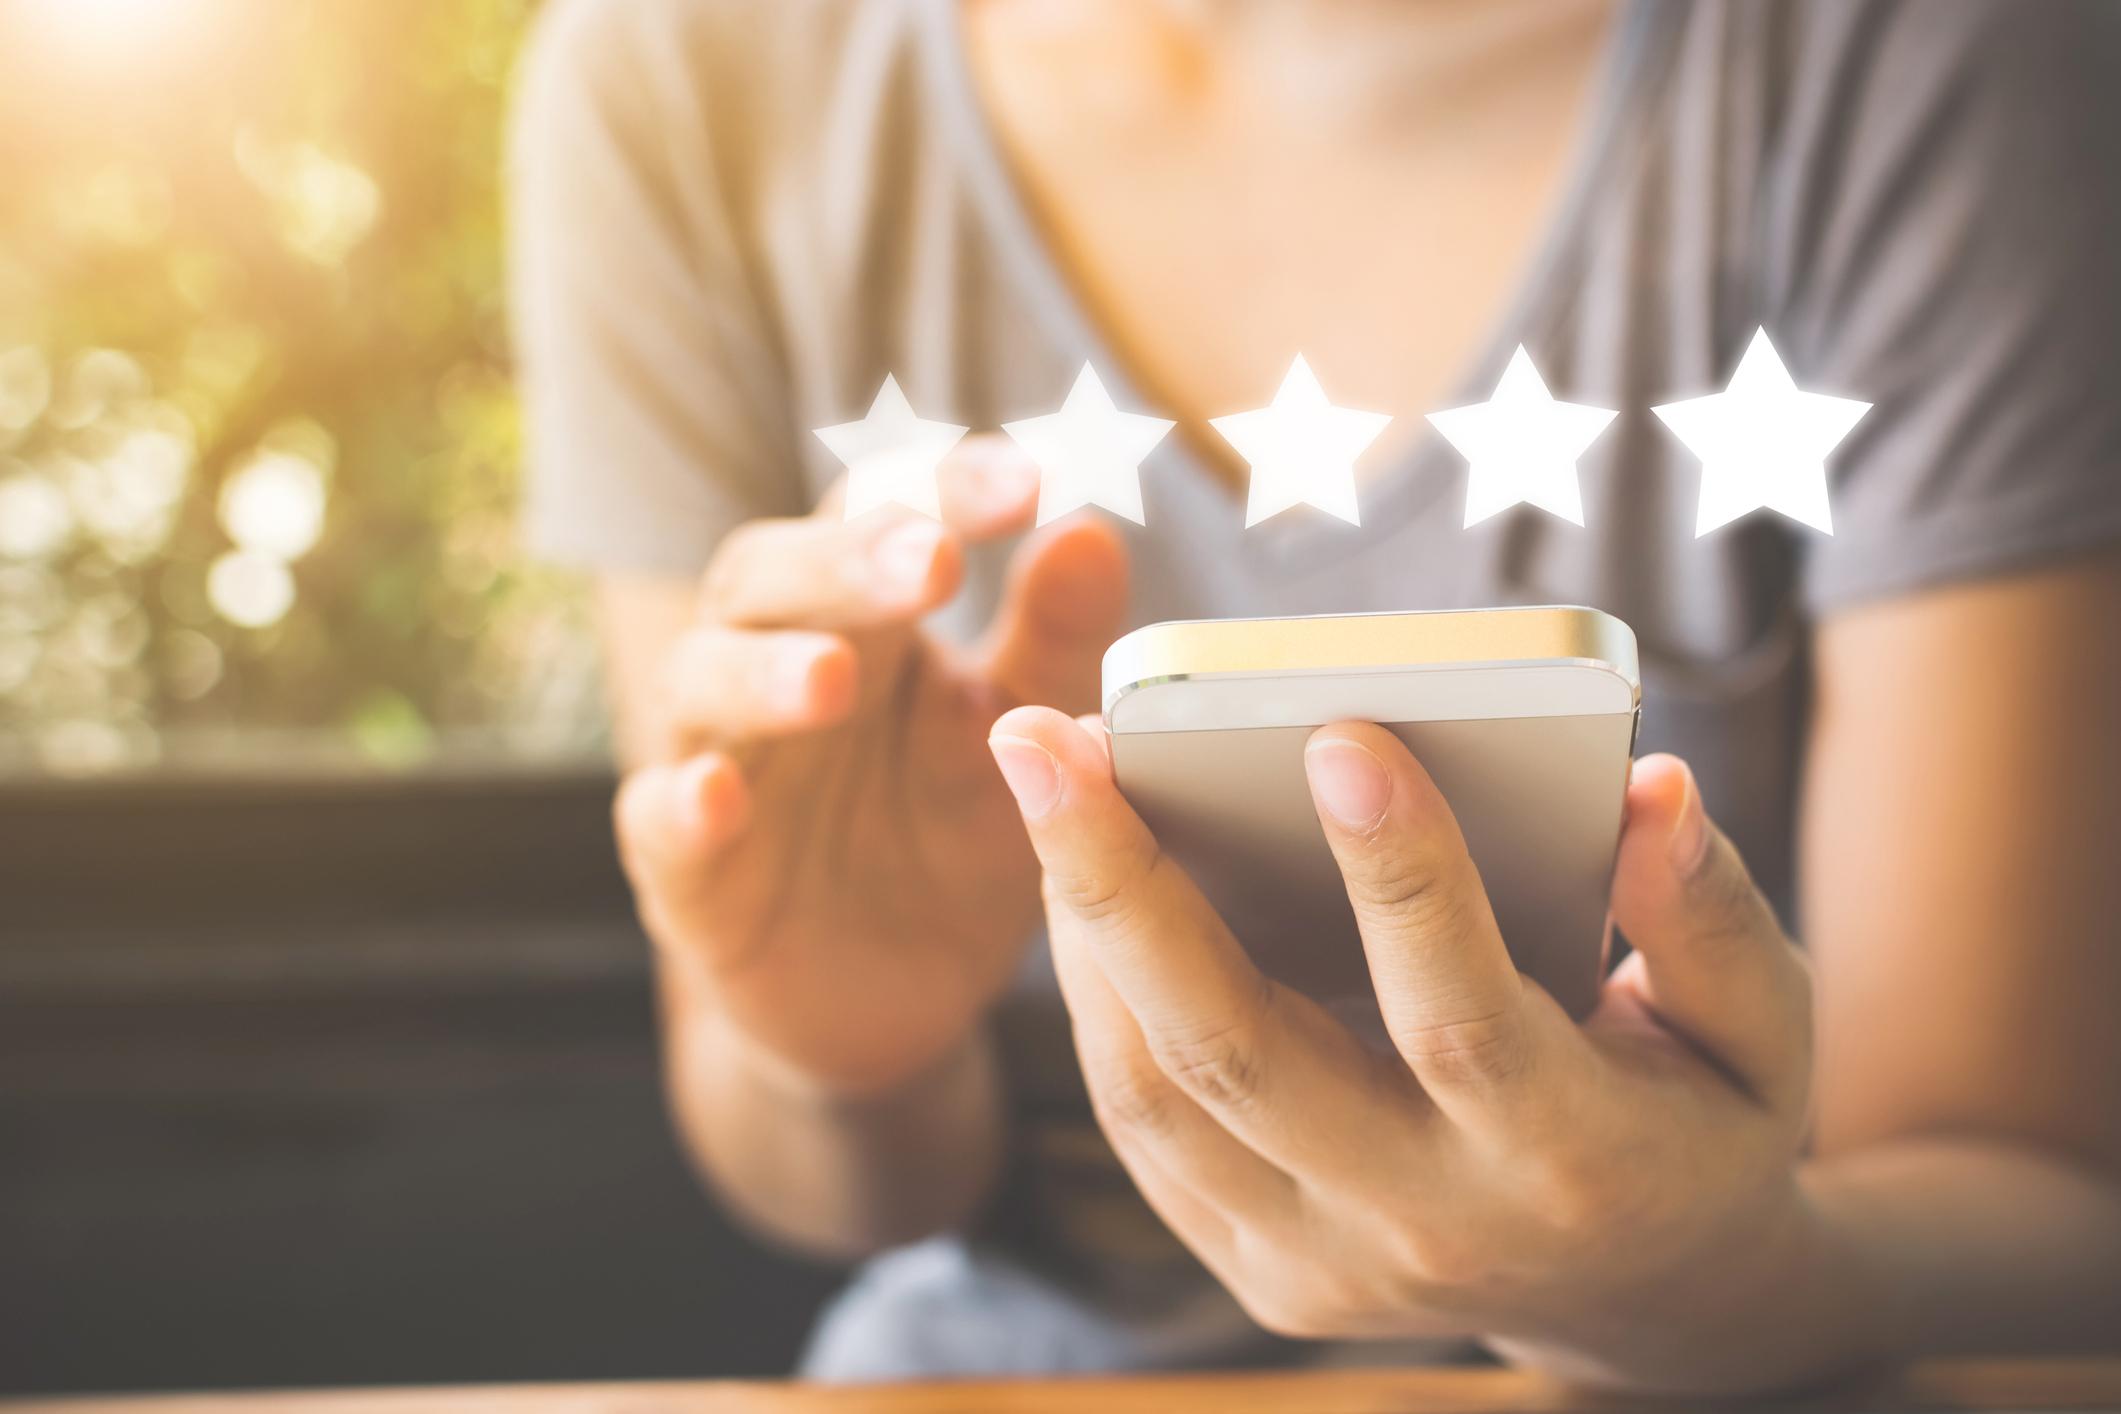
<point x="1946" y="206"/>
<point x="653" y="399"/>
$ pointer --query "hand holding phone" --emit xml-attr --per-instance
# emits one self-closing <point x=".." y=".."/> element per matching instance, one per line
<point x="1494" y="1165"/>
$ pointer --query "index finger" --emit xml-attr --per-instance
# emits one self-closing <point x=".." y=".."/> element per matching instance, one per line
<point x="1270" y="1065"/>
<point x="1452" y="999"/>
<point x="986" y="486"/>
<point x="886" y="566"/>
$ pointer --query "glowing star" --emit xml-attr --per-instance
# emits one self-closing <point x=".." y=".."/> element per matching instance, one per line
<point x="1089" y="453"/>
<point x="1762" y="442"/>
<point x="1522" y="445"/>
<point x="891" y="455"/>
<point x="1302" y="449"/>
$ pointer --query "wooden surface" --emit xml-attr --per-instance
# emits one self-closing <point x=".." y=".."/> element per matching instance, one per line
<point x="2043" y="1386"/>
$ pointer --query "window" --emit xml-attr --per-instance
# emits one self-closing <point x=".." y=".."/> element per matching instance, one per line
<point x="257" y="442"/>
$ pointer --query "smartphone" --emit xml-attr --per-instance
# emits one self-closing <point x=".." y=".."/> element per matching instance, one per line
<point x="1524" y="717"/>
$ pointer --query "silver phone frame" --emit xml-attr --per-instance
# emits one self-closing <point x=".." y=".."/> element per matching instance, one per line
<point x="1275" y="678"/>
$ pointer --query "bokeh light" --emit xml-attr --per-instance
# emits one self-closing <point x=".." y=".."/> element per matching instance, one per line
<point x="25" y="388"/>
<point x="35" y="519"/>
<point x="274" y="505"/>
<point x="321" y="205"/>
<point x="258" y="440"/>
<point x="250" y="589"/>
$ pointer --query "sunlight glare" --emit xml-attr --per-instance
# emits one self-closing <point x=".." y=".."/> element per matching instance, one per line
<point x="104" y="28"/>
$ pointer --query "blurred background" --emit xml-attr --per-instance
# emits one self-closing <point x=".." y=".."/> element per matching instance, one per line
<point x="325" y="1043"/>
<point x="254" y="407"/>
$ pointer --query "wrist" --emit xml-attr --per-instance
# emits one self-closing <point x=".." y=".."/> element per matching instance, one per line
<point x="835" y="1175"/>
<point x="1776" y="1300"/>
<point x="964" y="1069"/>
<point x="705" y="1029"/>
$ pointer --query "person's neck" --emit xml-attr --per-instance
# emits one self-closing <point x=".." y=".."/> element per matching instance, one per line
<point x="1358" y="63"/>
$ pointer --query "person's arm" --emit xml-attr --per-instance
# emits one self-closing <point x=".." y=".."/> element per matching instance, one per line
<point x="818" y="844"/>
<point x="1961" y="900"/>
<point x="1962" y="913"/>
<point x="836" y="1176"/>
<point x="1960" y="907"/>
<point x="1963" y="783"/>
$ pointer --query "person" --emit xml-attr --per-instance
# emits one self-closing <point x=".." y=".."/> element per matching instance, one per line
<point x="1750" y="1168"/>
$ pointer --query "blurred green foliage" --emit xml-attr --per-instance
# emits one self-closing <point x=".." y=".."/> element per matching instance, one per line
<point x="258" y="447"/>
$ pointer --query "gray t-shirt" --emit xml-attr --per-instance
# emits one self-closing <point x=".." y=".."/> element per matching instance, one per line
<point x="733" y="217"/>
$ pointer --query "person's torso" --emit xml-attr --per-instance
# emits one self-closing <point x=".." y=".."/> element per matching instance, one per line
<point x="887" y="234"/>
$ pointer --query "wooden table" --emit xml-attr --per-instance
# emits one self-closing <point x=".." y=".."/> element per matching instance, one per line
<point x="1991" y="1386"/>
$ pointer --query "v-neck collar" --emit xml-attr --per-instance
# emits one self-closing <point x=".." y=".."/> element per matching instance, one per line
<point x="1633" y="59"/>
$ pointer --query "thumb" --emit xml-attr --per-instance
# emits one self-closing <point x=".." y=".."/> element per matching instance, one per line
<point x="1066" y="601"/>
<point x="1715" y="966"/>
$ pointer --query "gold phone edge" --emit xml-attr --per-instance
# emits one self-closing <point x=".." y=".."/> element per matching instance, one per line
<point x="1548" y="633"/>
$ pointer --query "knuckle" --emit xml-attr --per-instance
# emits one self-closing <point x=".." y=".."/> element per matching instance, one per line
<point x="1486" y="1048"/>
<point x="1220" y="1063"/>
<point x="1414" y="890"/>
<point x="1437" y="1261"/>
<point x="1132" y="1098"/>
<point x="1731" y="909"/>
<point x="1093" y="897"/>
<point x="1394" y="877"/>
<point x="1108" y="894"/>
<point x="1219" y="1067"/>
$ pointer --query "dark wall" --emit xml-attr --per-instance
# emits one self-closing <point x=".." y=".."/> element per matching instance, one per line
<point x="345" y="1082"/>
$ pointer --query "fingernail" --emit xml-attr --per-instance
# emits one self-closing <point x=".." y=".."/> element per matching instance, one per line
<point x="1032" y="773"/>
<point x="904" y="555"/>
<point x="1348" y="781"/>
<point x="1003" y="481"/>
<point x="1689" y="844"/>
<point x="692" y="794"/>
<point x="790" y="678"/>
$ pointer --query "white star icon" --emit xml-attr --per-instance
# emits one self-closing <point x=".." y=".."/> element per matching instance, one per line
<point x="891" y="455"/>
<point x="1302" y="449"/>
<point x="1089" y="453"/>
<point x="1522" y="445"/>
<point x="1762" y="442"/>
